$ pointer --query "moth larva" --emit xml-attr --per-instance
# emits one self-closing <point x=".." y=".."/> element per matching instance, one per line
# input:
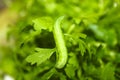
<point x="60" y="44"/>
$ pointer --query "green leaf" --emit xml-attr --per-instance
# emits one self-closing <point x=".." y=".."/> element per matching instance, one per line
<point x="111" y="38"/>
<point x="99" y="32"/>
<point x="70" y="71"/>
<point x="72" y="66"/>
<point x="40" y="56"/>
<point x="47" y="75"/>
<point x="73" y="60"/>
<point x="79" y="73"/>
<point x="82" y="47"/>
<point x="43" y="23"/>
<point x="82" y="35"/>
<point x="107" y="72"/>
<point x="62" y="76"/>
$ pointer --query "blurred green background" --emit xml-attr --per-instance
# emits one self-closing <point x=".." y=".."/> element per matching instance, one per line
<point x="98" y="19"/>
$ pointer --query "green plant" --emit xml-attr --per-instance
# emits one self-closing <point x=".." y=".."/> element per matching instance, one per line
<point x="83" y="45"/>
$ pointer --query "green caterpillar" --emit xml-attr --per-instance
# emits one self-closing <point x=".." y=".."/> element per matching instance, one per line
<point x="60" y="44"/>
